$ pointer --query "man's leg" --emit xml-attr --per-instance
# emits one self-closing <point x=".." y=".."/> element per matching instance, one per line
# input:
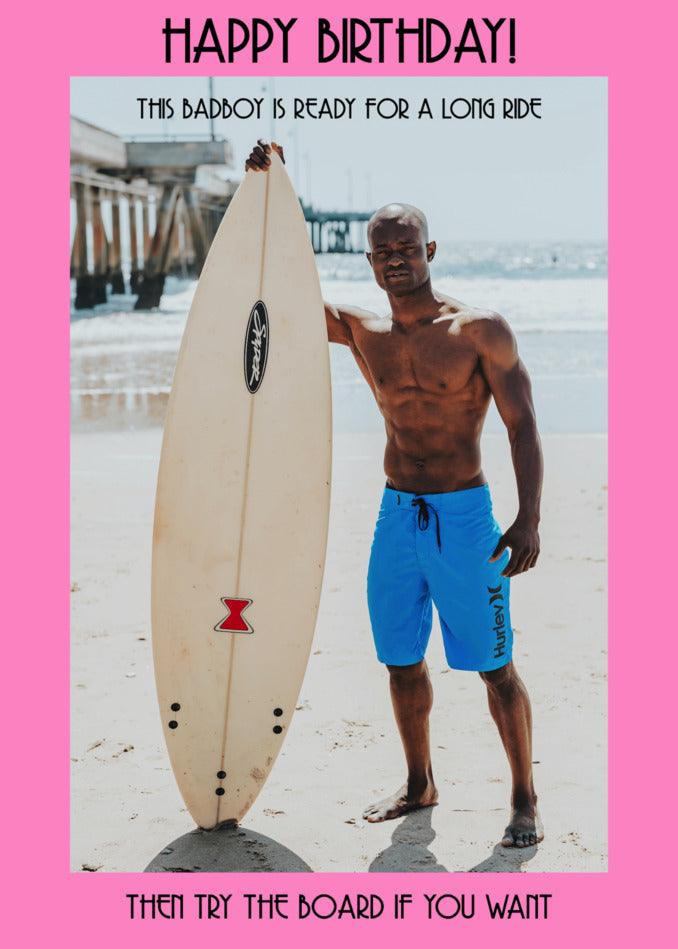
<point x="412" y="697"/>
<point x="510" y="708"/>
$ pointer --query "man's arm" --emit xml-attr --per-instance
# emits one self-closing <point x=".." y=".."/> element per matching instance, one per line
<point x="338" y="327"/>
<point x="510" y="385"/>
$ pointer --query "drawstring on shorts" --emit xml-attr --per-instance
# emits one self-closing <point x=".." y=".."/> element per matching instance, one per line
<point x="423" y="517"/>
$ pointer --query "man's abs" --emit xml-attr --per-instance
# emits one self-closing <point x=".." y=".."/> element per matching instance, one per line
<point x="434" y="458"/>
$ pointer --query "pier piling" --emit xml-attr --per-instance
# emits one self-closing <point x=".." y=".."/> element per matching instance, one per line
<point x="155" y="267"/>
<point x="134" y="271"/>
<point x="115" y="277"/>
<point x="84" y="290"/>
<point x="100" y="248"/>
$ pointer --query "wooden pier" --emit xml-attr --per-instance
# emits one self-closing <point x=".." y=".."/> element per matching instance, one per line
<point x="336" y="232"/>
<point x="166" y="196"/>
<point x="148" y="208"/>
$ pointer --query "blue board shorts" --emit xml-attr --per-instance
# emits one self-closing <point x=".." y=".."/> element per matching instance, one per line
<point x="436" y="548"/>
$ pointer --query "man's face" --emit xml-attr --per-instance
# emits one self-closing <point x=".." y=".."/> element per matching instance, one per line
<point x="399" y="255"/>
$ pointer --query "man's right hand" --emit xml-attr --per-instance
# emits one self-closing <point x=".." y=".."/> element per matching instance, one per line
<point x="260" y="159"/>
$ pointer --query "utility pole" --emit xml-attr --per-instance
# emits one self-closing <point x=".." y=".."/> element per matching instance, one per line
<point x="309" y="193"/>
<point x="368" y="189"/>
<point x="271" y="93"/>
<point x="293" y="137"/>
<point x="210" y="86"/>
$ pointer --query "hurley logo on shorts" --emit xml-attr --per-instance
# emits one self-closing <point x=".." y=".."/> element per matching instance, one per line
<point x="496" y="601"/>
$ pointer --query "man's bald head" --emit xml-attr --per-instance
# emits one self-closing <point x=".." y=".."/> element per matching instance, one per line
<point x="400" y="250"/>
<point x="405" y="214"/>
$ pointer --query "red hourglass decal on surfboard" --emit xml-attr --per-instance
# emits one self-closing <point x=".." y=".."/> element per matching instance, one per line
<point x="234" y="621"/>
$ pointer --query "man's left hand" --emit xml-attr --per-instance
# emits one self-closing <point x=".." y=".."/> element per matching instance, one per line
<point x="524" y="543"/>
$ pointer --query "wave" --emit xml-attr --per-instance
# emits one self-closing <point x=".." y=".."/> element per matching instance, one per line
<point x="507" y="260"/>
<point x="125" y="390"/>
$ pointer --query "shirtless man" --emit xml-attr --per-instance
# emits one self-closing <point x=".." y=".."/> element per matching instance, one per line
<point x="433" y="365"/>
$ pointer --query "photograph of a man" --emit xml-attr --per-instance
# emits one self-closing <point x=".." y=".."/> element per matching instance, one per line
<point x="433" y="365"/>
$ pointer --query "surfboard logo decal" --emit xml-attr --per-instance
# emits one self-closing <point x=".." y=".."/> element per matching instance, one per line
<point x="234" y="621"/>
<point x="256" y="346"/>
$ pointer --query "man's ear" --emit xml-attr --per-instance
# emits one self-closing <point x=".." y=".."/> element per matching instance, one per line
<point x="430" y="250"/>
<point x="369" y="257"/>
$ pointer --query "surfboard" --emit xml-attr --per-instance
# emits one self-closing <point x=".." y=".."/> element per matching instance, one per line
<point x="242" y="503"/>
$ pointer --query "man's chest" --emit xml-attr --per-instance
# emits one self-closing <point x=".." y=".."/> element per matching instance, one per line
<point x="425" y="359"/>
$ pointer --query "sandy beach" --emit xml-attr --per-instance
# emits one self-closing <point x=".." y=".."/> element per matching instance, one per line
<point x="342" y="751"/>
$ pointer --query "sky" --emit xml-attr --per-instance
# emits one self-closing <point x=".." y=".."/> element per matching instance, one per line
<point x="476" y="179"/>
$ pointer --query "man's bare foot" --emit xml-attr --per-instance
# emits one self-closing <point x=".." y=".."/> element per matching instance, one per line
<point x="525" y="828"/>
<point x="401" y="803"/>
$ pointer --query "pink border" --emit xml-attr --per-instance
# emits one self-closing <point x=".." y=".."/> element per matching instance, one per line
<point x="581" y="38"/>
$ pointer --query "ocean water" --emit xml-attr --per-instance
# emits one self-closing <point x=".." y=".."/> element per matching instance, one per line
<point x="554" y="295"/>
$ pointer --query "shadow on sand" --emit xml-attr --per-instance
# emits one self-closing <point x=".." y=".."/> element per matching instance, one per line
<point x="226" y="849"/>
<point x="231" y="849"/>
<point x="408" y="852"/>
<point x="505" y="860"/>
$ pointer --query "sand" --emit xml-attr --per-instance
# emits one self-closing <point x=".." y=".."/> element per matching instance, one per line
<point x="342" y="751"/>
